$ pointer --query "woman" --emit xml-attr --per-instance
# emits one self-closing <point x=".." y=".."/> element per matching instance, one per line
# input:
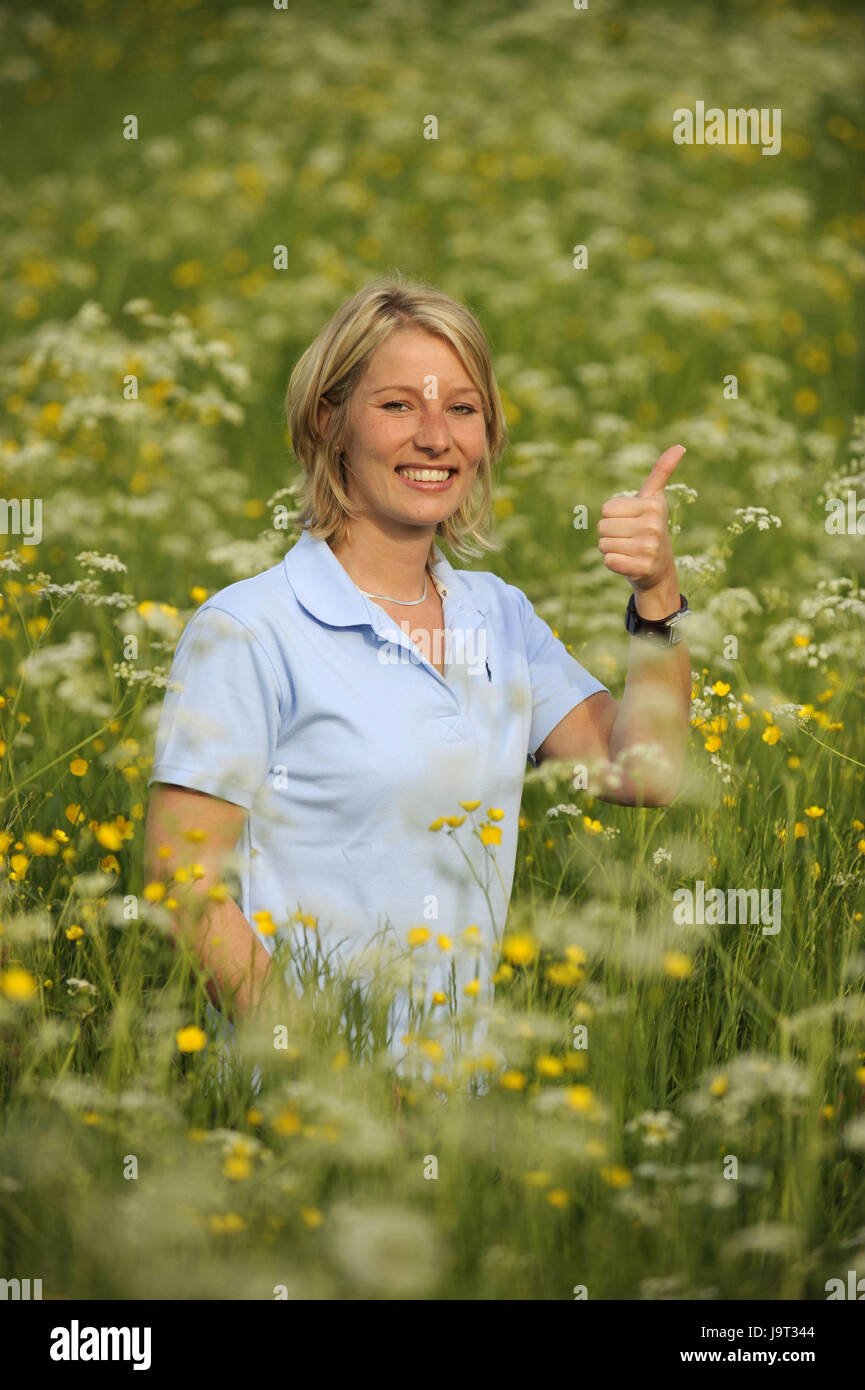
<point x="355" y="721"/>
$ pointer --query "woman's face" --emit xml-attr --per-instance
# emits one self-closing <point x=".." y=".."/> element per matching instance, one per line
<point x="415" y="408"/>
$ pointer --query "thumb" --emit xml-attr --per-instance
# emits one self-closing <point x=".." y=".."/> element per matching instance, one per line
<point x="662" y="470"/>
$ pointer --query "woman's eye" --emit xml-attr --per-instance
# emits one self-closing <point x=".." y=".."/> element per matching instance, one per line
<point x="469" y="408"/>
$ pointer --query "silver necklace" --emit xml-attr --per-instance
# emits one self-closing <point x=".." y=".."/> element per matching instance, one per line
<point x="406" y="602"/>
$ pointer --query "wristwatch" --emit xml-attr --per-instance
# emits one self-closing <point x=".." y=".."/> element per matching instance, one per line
<point x="661" y="630"/>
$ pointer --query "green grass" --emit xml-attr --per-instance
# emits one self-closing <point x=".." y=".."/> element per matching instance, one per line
<point x="302" y="1167"/>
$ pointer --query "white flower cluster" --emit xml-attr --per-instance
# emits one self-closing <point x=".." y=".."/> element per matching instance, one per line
<point x="156" y="679"/>
<point x="655" y="1127"/>
<point x="753" y="516"/>
<point x="92" y="560"/>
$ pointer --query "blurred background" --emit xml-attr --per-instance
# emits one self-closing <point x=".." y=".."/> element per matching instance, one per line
<point x="149" y="326"/>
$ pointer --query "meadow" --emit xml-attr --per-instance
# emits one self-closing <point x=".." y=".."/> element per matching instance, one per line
<point x="657" y="1108"/>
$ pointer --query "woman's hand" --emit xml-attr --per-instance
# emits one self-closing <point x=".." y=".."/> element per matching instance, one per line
<point x="635" y="540"/>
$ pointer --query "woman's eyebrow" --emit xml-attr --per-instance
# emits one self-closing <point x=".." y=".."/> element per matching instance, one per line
<point x="455" y="391"/>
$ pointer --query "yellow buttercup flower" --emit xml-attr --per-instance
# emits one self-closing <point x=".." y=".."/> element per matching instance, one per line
<point x="772" y="734"/>
<point x="17" y="984"/>
<point x="580" y="1098"/>
<point x="720" y="1086"/>
<point x="557" y="1197"/>
<point x="228" y="1224"/>
<point x="564" y="974"/>
<point x="815" y="812"/>
<point x="237" y="1167"/>
<point x="473" y="989"/>
<point x="800" y="830"/>
<point x="78" y="767"/>
<point x="470" y="805"/>
<point x="549" y="1066"/>
<point x="191" y="1039"/>
<point x="418" y="936"/>
<point x="40" y="844"/>
<point x="721" y="688"/>
<point x="490" y="835"/>
<point x="454" y="821"/>
<point x="519" y="949"/>
<point x="74" y="933"/>
<point x="616" y="1176"/>
<point x="677" y="966"/>
<point x="513" y="1080"/>
<point x="439" y="998"/>
<point x="444" y="942"/>
<point x="287" y="1122"/>
<point x="109" y="836"/>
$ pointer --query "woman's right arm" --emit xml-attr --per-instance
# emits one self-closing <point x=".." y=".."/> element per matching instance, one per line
<point x="185" y="828"/>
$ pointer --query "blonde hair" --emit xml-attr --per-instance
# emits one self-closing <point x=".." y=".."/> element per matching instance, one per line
<point x="333" y="365"/>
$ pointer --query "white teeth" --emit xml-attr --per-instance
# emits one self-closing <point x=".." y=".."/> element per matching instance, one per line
<point x="425" y="475"/>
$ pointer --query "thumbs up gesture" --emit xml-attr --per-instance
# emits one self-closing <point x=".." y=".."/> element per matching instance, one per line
<point x="635" y="539"/>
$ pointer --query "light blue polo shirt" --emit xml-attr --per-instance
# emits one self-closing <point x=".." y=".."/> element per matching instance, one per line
<point x="302" y="701"/>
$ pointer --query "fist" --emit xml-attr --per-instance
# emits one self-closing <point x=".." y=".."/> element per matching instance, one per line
<point x="634" y="534"/>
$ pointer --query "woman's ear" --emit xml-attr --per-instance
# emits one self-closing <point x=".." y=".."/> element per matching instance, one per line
<point x="325" y="410"/>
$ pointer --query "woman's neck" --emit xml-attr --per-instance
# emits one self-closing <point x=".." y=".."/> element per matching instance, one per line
<point x="382" y="565"/>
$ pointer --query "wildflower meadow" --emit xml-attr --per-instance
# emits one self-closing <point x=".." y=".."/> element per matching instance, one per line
<point x="666" y="1100"/>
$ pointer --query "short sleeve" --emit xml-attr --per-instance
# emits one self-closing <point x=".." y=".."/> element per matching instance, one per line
<point x="218" y="732"/>
<point x="558" y="680"/>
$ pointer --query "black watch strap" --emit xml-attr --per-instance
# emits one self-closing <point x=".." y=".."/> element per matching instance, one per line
<point x="663" y="630"/>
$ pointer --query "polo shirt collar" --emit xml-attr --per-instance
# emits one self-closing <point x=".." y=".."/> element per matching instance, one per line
<point x="324" y="588"/>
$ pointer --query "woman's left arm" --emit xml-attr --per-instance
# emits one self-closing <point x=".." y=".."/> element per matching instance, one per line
<point x="646" y="732"/>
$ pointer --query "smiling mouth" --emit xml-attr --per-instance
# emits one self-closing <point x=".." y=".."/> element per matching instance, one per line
<point x="424" y="474"/>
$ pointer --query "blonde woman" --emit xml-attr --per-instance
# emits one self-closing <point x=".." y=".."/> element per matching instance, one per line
<point x="331" y="710"/>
